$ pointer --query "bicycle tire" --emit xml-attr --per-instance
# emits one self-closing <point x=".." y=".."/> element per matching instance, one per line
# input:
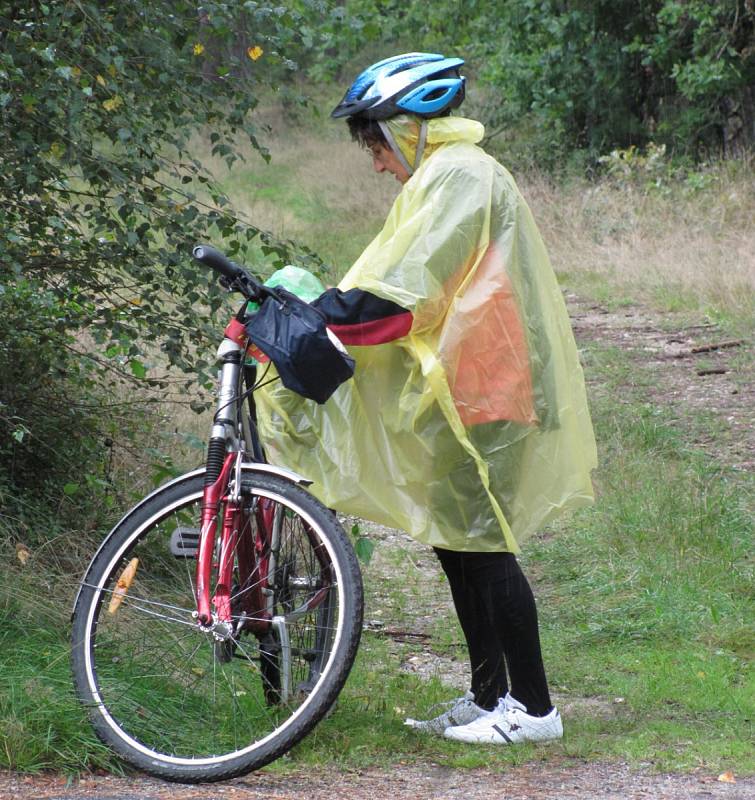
<point x="156" y="687"/>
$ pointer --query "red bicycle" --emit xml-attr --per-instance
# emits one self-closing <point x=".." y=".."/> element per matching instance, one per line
<point x="219" y="619"/>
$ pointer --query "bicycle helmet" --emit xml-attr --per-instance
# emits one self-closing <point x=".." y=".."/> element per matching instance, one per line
<point x="425" y="84"/>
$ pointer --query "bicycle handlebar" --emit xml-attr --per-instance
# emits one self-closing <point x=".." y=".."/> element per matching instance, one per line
<point x="217" y="261"/>
<point x="236" y="277"/>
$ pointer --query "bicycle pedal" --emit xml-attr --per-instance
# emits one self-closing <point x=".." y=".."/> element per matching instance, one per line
<point x="184" y="542"/>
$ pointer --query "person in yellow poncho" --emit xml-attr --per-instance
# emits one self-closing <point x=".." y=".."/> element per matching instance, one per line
<point x="466" y="423"/>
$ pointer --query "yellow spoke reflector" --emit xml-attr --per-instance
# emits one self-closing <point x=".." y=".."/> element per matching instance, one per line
<point x="123" y="585"/>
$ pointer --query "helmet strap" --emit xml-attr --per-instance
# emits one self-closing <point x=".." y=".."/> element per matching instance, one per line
<point x="392" y="144"/>
<point x="421" y="143"/>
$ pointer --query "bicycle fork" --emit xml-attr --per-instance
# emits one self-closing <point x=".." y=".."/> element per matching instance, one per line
<point x="241" y="549"/>
<point x="213" y="496"/>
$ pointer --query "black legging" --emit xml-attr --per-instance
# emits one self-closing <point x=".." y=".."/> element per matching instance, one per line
<point x="497" y="612"/>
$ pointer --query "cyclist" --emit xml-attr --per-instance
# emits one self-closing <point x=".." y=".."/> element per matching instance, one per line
<point x="466" y="423"/>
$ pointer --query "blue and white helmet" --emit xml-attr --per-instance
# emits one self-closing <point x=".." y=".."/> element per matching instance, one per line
<point x="425" y="84"/>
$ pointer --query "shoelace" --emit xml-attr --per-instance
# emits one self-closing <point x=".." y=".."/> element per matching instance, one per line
<point x="504" y="705"/>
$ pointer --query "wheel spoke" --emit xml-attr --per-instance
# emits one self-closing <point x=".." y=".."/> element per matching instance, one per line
<point x="167" y="691"/>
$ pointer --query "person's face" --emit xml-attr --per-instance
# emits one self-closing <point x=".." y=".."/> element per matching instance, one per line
<point x="385" y="160"/>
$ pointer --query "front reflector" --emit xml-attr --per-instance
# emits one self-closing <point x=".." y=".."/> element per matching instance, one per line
<point x="123" y="585"/>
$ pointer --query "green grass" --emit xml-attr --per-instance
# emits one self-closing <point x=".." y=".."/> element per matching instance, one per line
<point x="42" y="726"/>
<point x="646" y="612"/>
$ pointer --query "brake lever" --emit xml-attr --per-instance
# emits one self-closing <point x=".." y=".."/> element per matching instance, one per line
<point x="242" y="285"/>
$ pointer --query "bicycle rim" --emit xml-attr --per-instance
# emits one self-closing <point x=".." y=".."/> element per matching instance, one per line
<point x="180" y="701"/>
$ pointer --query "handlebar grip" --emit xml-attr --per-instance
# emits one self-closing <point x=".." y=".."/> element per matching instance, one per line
<point x="217" y="261"/>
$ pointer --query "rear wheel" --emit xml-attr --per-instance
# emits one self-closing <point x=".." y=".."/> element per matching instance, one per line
<point x="192" y="704"/>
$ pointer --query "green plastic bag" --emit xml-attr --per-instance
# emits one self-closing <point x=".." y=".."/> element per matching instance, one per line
<point x="297" y="280"/>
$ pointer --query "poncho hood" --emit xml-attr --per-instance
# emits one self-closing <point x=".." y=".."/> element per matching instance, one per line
<point x="406" y="128"/>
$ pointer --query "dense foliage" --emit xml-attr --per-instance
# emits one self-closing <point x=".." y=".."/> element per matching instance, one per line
<point x="598" y="75"/>
<point x="101" y="200"/>
<point x="583" y="75"/>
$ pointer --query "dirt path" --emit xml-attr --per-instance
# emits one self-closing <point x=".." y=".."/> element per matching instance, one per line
<point x="700" y="382"/>
<point x="566" y="781"/>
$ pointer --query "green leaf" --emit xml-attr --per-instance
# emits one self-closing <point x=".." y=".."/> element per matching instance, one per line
<point x="364" y="549"/>
<point x="19" y="434"/>
<point x="193" y="441"/>
<point x="71" y="489"/>
<point x="138" y="369"/>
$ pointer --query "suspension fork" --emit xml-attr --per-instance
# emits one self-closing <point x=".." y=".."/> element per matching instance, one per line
<point x="234" y="541"/>
<point x="211" y="500"/>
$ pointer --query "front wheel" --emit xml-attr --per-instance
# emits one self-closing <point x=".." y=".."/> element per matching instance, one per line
<point x="191" y="704"/>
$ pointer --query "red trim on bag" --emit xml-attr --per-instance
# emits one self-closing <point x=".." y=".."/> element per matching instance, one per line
<point x="377" y="331"/>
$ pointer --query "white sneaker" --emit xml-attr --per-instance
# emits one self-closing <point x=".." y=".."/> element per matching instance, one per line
<point x="508" y="723"/>
<point x="460" y="712"/>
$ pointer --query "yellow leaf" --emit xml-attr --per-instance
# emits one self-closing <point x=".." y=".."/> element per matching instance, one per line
<point x="101" y="80"/>
<point x="57" y="149"/>
<point x="112" y="70"/>
<point x="198" y="49"/>
<point x="727" y="777"/>
<point x="76" y="72"/>
<point x="701" y="674"/>
<point x="22" y="553"/>
<point x="254" y="52"/>
<point x="112" y="103"/>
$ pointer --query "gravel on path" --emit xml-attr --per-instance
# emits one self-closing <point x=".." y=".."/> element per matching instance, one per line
<point x="534" y="781"/>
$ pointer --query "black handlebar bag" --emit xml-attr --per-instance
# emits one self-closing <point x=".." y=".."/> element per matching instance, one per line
<point x="292" y="334"/>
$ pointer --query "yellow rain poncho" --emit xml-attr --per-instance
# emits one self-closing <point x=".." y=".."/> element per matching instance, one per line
<point x="473" y="430"/>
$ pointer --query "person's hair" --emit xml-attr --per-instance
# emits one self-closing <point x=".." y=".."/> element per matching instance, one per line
<point x="366" y="131"/>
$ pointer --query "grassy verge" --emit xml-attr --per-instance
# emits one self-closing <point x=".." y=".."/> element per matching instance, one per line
<point x="41" y="724"/>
